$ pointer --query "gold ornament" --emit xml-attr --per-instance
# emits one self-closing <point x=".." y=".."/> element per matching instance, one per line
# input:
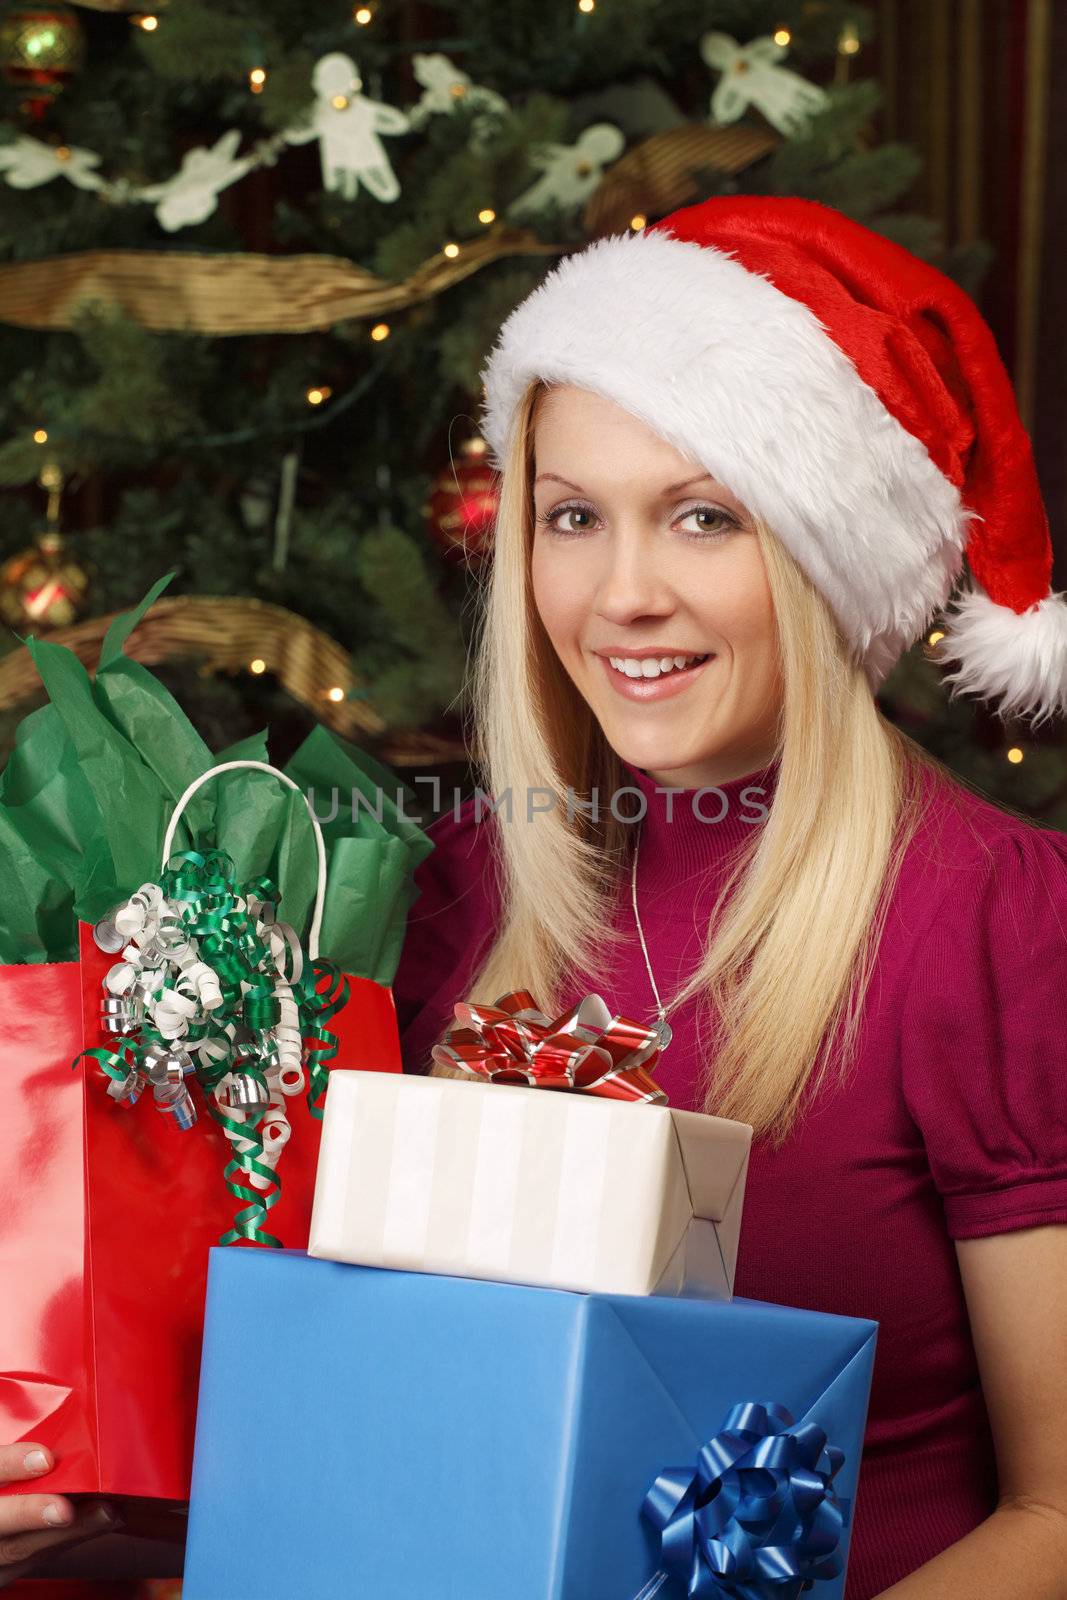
<point x="41" y="48"/>
<point x="42" y="587"/>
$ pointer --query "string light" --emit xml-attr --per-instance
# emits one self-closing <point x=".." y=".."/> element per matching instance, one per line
<point x="339" y="102"/>
<point x="258" y="665"/>
<point x="849" y="42"/>
<point x="451" y="250"/>
<point x="638" y="222"/>
<point x="587" y="5"/>
<point x="256" y="79"/>
<point x="40" y="436"/>
<point x="321" y="392"/>
<point x="362" y="15"/>
<point x="1014" y="755"/>
<point x="335" y="693"/>
<point x="782" y="36"/>
<point x="380" y="331"/>
<point x="937" y="635"/>
<point x="487" y="215"/>
<point x="62" y="152"/>
<point x="149" y="24"/>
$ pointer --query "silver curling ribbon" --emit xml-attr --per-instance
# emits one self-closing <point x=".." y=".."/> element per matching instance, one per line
<point x="107" y="936"/>
<point x="119" y="1014"/>
<point x="128" y="1089"/>
<point x="153" y="952"/>
<point x="166" y="1067"/>
<point x="248" y="1090"/>
<point x="175" y="1099"/>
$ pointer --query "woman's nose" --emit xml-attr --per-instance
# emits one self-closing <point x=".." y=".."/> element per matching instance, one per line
<point x="633" y="583"/>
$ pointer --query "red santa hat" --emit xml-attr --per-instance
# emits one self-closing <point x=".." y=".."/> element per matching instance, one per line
<point x="846" y="392"/>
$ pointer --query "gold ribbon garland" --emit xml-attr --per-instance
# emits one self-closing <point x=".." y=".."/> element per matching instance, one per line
<point x="228" y="633"/>
<point x="178" y="291"/>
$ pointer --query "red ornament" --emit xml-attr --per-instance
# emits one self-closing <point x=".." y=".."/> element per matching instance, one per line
<point x="463" y="503"/>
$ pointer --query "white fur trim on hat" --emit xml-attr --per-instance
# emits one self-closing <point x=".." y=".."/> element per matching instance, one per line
<point x="745" y="382"/>
<point x="1021" y="655"/>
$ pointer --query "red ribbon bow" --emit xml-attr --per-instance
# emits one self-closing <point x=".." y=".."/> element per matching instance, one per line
<point x="586" y="1049"/>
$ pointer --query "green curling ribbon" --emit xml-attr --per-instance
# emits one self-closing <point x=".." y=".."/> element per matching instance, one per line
<point x="210" y="911"/>
<point x="321" y="1044"/>
<point x="247" y="1224"/>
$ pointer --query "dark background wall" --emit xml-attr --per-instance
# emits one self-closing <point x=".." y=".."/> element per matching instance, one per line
<point x="975" y="85"/>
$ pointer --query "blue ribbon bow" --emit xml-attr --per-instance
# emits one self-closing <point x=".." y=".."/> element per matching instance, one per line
<point x="758" y="1517"/>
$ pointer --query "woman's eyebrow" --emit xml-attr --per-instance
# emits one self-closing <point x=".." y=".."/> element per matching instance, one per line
<point x="672" y="488"/>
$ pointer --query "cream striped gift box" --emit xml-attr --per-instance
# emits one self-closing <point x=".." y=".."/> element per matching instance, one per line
<point x="535" y="1186"/>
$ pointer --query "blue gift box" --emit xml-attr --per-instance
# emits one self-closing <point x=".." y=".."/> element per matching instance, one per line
<point x="405" y="1436"/>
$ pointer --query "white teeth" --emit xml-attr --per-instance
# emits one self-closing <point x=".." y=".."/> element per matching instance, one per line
<point x="650" y="666"/>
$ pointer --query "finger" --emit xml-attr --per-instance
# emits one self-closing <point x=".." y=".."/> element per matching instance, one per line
<point x="26" y="1460"/>
<point x="29" y="1513"/>
<point x="18" y="1549"/>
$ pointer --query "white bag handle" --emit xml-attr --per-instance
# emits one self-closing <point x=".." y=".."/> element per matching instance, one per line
<point x="261" y="766"/>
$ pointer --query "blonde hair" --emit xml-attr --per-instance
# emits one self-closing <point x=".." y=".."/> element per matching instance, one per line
<point x="792" y="941"/>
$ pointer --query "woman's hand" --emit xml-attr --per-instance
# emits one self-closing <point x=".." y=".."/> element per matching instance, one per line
<point x="32" y="1525"/>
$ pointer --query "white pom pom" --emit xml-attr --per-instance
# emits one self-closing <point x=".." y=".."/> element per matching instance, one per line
<point x="1019" y="656"/>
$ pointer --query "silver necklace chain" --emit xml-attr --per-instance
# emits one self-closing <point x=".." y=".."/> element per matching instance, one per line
<point x="662" y="1026"/>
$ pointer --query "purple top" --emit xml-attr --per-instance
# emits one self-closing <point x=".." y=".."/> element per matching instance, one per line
<point x="951" y="1125"/>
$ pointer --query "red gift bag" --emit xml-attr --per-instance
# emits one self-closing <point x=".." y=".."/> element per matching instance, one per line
<point x="107" y="1213"/>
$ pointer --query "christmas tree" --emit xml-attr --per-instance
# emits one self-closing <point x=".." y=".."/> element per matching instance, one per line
<point x="251" y="262"/>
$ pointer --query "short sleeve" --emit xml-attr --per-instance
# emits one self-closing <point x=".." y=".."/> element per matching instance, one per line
<point x="984" y="1038"/>
<point x="449" y="928"/>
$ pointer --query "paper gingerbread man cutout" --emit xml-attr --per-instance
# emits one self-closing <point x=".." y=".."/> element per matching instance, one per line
<point x="444" y="87"/>
<point x="27" y="163"/>
<point x="751" y="76"/>
<point x="347" y="124"/>
<point x="570" y="172"/>
<point x="191" y="195"/>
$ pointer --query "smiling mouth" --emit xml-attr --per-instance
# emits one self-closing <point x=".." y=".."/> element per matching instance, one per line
<point x="651" y="667"/>
<point x="650" y="679"/>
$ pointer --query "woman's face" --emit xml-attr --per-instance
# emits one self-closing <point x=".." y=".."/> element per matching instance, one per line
<point x="639" y="557"/>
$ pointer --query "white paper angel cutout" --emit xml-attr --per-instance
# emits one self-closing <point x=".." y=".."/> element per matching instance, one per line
<point x="347" y="124"/>
<point x="570" y="171"/>
<point x="191" y="195"/>
<point x="445" y="87"/>
<point x="751" y="76"/>
<point x="27" y="163"/>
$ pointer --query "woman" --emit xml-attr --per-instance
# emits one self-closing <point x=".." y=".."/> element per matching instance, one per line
<point x="743" y="454"/>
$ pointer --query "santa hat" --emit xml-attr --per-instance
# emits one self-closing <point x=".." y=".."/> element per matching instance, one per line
<point x="848" y="393"/>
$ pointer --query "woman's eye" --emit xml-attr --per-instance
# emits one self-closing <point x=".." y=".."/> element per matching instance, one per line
<point x="551" y="521"/>
<point x="716" y="522"/>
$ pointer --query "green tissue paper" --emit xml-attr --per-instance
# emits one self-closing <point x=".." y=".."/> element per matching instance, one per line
<point x="95" y="776"/>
